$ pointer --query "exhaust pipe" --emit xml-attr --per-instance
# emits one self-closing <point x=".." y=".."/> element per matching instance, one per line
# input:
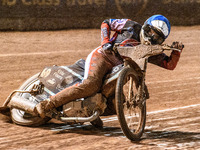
<point x="23" y="104"/>
<point x="81" y="119"/>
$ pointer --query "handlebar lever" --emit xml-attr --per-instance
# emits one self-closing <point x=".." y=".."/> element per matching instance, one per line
<point x="167" y="47"/>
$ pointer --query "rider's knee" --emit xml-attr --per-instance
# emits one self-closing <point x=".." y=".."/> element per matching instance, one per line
<point x="91" y="85"/>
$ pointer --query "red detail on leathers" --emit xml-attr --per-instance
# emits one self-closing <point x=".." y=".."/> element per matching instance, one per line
<point x="164" y="61"/>
<point x="105" y="33"/>
<point x="172" y="61"/>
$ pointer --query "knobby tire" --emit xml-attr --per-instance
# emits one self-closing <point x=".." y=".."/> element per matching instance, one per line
<point x="121" y="100"/>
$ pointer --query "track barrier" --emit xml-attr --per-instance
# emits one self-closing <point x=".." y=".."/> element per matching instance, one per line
<point x="28" y="15"/>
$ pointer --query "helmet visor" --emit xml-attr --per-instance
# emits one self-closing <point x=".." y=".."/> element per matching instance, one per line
<point x="156" y="39"/>
<point x="154" y="35"/>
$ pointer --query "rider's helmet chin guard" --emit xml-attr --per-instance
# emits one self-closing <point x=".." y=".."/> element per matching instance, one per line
<point x="155" y="30"/>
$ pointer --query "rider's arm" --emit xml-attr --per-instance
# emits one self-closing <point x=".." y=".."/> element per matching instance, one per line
<point x="109" y="25"/>
<point x="167" y="62"/>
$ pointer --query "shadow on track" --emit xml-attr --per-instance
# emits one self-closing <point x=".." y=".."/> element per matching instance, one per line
<point x="84" y="129"/>
<point x="176" y="136"/>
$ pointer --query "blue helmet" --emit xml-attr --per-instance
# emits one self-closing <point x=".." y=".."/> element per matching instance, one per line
<point x="160" y="25"/>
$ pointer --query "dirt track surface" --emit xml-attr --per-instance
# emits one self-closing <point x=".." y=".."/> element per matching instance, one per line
<point x="173" y="108"/>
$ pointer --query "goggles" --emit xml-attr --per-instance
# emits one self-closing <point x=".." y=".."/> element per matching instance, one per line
<point x="153" y="35"/>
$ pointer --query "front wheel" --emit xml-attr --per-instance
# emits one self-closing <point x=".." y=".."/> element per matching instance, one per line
<point x="131" y="114"/>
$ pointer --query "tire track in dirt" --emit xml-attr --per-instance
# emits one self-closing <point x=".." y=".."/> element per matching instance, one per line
<point x="159" y="132"/>
<point x="161" y="129"/>
<point x="173" y="129"/>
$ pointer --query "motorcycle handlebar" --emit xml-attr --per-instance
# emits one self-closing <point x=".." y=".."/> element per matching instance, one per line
<point x="167" y="47"/>
<point x="164" y="47"/>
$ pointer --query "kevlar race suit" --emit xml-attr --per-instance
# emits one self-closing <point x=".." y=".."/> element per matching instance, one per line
<point x="100" y="62"/>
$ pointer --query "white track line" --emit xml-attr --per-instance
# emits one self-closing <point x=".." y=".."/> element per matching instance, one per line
<point x="172" y="109"/>
<point x="175" y="85"/>
<point x="173" y="91"/>
<point x="177" y="80"/>
<point x="41" y="53"/>
<point x="154" y="112"/>
<point x="110" y="119"/>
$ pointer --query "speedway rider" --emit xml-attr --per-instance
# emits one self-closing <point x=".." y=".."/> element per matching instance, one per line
<point x="101" y="60"/>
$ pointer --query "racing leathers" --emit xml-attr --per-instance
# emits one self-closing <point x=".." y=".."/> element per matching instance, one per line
<point x="101" y="60"/>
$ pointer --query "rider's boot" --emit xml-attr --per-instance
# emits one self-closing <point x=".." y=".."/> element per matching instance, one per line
<point x="45" y="108"/>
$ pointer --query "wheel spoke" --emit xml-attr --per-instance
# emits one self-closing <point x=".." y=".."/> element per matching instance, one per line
<point x="132" y="117"/>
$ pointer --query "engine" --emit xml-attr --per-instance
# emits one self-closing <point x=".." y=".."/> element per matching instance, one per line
<point x="85" y="107"/>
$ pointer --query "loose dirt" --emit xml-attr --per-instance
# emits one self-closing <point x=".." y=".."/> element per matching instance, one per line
<point x="170" y="124"/>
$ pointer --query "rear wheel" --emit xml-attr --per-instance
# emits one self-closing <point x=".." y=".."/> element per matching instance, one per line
<point x="131" y="114"/>
<point x="22" y="118"/>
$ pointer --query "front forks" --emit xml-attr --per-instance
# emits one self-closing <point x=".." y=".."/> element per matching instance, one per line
<point x="140" y="99"/>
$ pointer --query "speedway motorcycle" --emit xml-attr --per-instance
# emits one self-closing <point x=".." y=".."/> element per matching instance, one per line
<point x="123" y="93"/>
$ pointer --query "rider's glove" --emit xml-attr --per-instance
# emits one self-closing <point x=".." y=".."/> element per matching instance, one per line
<point x="107" y="48"/>
<point x="177" y="45"/>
